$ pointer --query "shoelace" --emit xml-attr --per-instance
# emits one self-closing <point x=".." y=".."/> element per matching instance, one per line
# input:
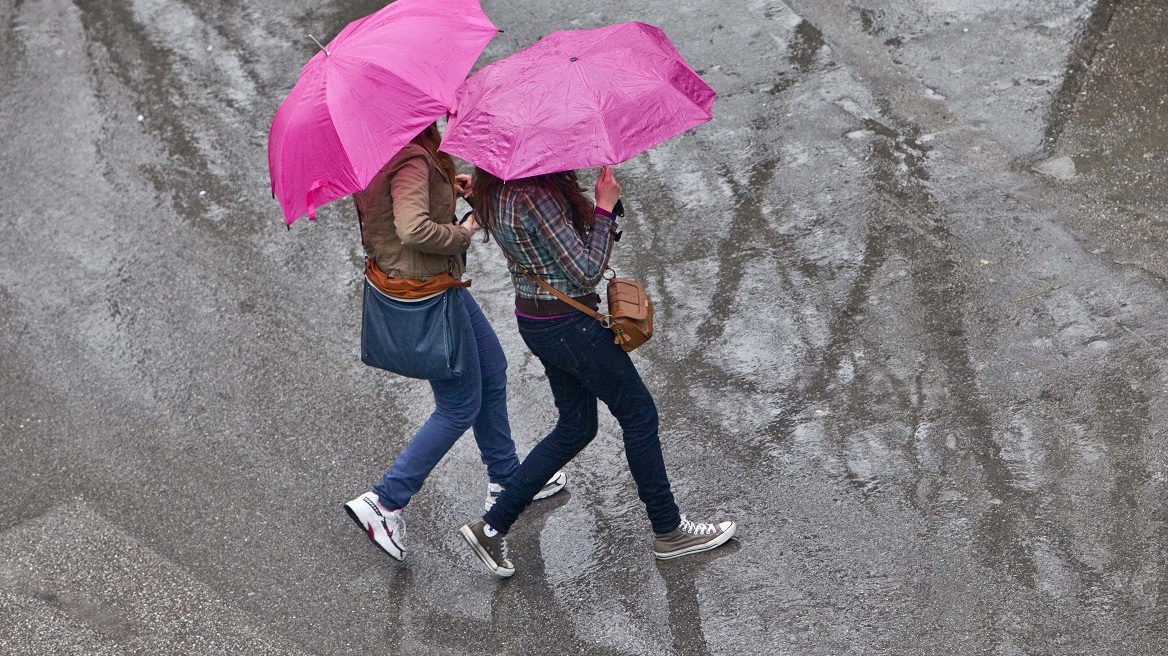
<point x="696" y="528"/>
<point x="502" y="542"/>
<point x="400" y="530"/>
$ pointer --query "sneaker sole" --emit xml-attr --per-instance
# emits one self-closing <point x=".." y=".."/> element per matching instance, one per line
<point x="400" y="556"/>
<point x="469" y="536"/>
<point x="543" y="493"/>
<point x="712" y="544"/>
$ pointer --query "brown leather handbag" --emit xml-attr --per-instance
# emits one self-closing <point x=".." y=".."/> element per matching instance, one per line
<point x="630" y="310"/>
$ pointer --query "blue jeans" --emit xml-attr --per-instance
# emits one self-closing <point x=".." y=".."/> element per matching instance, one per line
<point x="583" y="365"/>
<point x="477" y="400"/>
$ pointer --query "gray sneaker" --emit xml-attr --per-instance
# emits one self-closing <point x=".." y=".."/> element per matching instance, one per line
<point x="556" y="483"/>
<point x="692" y="537"/>
<point x="490" y="547"/>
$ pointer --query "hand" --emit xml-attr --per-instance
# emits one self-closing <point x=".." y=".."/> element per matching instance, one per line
<point x="608" y="190"/>
<point x="462" y="184"/>
<point x="470" y="224"/>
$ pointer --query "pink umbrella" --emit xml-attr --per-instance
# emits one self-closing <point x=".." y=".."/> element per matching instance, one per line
<point x="371" y="90"/>
<point x="576" y="99"/>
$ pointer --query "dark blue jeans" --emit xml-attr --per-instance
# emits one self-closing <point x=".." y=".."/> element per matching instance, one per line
<point x="477" y="400"/>
<point x="583" y="365"/>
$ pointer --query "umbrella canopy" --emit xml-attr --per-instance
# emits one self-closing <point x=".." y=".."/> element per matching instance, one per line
<point x="576" y="99"/>
<point x="371" y="90"/>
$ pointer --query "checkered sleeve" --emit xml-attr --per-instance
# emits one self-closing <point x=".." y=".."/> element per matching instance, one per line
<point x="580" y="258"/>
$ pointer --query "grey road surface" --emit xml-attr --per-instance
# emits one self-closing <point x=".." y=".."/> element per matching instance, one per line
<point x="911" y="295"/>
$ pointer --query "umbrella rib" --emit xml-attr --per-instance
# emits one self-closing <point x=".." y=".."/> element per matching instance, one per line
<point x="320" y="183"/>
<point x="312" y="186"/>
<point x="689" y="98"/>
<point x="709" y="114"/>
<point x="405" y="83"/>
<point x="599" y="112"/>
<point x="610" y="38"/>
<point x="514" y="147"/>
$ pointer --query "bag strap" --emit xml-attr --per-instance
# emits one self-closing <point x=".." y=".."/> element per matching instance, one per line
<point x="604" y="319"/>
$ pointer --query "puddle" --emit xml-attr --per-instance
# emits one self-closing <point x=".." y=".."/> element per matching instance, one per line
<point x="1111" y="120"/>
<point x="805" y="46"/>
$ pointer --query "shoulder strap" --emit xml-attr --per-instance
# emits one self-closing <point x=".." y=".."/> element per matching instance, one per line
<point x="604" y="319"/>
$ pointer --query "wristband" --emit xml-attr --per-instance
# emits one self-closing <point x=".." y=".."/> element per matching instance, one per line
<point x="603" y="212"/>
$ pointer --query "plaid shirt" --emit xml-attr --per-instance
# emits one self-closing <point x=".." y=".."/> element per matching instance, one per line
<point x="535" y="230"/>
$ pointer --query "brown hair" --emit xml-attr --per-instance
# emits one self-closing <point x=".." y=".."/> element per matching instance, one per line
<point x="430" y="139"/>
<point x="563" y="186"/>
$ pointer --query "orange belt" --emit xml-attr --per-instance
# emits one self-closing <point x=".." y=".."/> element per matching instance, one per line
<point x="408" y="287"/>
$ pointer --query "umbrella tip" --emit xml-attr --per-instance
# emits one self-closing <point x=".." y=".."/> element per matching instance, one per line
<point x="326" y="50"/>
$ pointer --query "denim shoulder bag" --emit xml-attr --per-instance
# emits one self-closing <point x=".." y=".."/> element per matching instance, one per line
<point x="419" y="339"/>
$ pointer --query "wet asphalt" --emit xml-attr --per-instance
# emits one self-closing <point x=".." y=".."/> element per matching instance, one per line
<point x="910" y="290"/>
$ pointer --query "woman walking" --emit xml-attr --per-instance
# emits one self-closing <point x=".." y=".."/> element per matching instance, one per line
<point x="415" y="251"/>
<point x="547" y="226"/>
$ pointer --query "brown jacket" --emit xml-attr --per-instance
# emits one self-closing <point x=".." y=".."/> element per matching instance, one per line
<point x="406" y="216"/>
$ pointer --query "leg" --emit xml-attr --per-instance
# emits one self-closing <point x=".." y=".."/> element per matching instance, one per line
<point x="574" y="429"/>
<point x="456" y="408"/>
<point x="610" y="375"/>
<point x="492" y="430"/>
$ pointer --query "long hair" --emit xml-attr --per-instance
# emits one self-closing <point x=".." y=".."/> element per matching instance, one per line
<point x="564" y="187"/>
<point x="431" y="139"/>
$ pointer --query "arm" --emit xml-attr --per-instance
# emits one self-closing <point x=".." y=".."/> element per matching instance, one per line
<point x="582" y="258"/>
<point x="410" y="191"/>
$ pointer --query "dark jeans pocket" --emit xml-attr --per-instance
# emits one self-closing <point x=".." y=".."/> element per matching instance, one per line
<point x="555" y="341"/>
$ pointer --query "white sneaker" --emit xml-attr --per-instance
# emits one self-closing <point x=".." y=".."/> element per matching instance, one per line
<point x="385" y="527"/>
<point x="556" y="483"/>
